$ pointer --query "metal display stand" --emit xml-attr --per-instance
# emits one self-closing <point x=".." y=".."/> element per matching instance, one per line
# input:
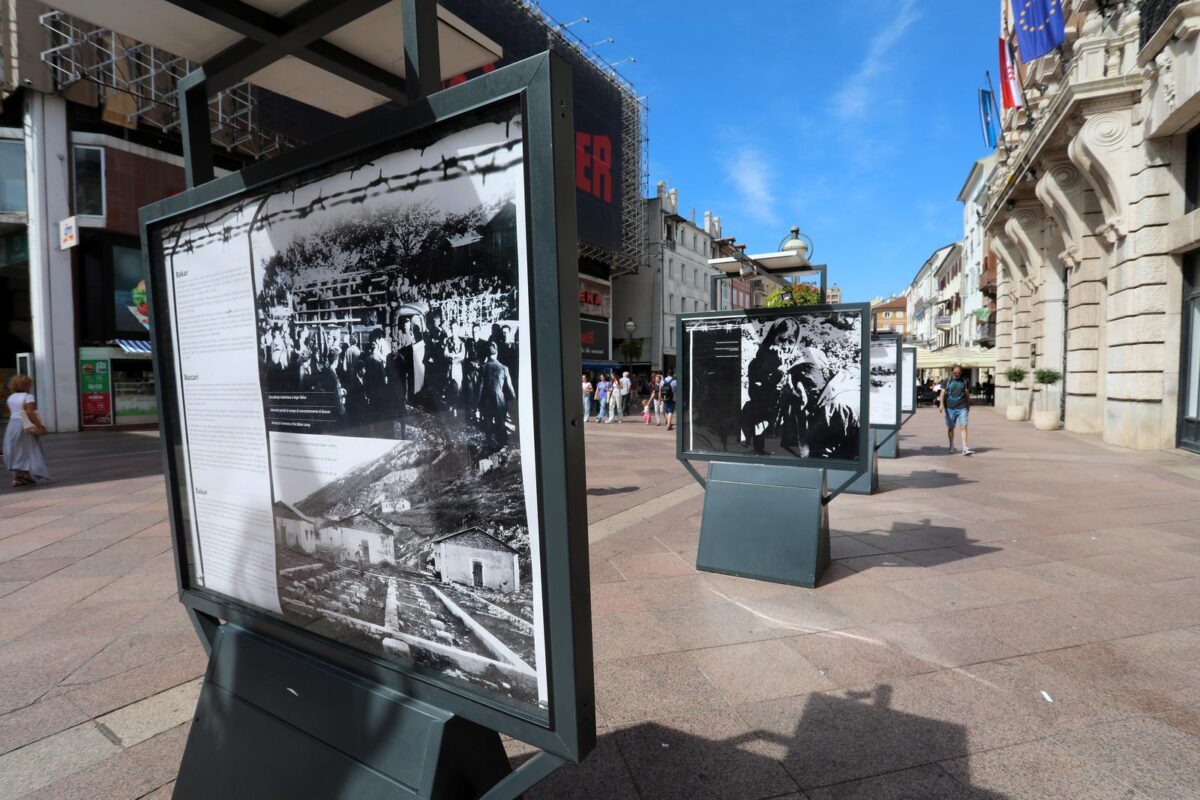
<point x="766" y="519"/>
<point x="286" y="713"/>
<point x="853" y="481"/>
<point x="886" y="438"/>
<point x="748" y="506"/>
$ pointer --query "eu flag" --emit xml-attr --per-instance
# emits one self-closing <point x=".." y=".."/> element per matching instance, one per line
<point x="1039" y="26"/>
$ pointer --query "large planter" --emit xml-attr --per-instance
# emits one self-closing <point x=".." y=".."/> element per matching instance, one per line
<point x="1018" y="412"/>
<point x="1046" y="420"/>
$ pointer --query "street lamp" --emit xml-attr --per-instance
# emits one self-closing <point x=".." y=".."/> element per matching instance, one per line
<point x="630" y="327"/>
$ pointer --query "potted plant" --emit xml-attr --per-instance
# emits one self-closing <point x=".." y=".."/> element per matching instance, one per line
<point x="1017" y="411"/>
<point x="1045" y="418"/>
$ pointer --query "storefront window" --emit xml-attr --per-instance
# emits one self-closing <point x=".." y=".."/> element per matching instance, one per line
<point x="89" y="181"/>
<point x="131" y="314"/>
<point x="1192" y="409"/>
<point x="12" y="178"/>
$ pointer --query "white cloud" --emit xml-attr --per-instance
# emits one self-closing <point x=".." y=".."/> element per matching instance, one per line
<point x="751" y="176"/>
<point x="852" y="101"/>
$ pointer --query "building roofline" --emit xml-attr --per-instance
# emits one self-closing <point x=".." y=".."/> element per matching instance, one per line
<point x="987" y="162"/>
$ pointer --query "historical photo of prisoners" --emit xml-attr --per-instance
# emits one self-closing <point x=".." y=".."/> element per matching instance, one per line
<point x="779" y="386"/>
<point x="391" y="328"/>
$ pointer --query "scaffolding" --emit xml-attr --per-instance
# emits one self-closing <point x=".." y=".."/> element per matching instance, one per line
<point x="136" y="83"/>
<point x="630" y="255"/>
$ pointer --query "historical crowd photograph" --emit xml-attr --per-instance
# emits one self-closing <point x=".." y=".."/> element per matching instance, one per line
<point x="782" y="386"/>
<point x="388" y="300"/>
<point x="884" y="355"/>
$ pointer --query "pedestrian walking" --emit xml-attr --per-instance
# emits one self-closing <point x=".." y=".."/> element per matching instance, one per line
<point x="955" y="401"/>
<point x="615" y="406"/>
<point x="23" y="455"/>
<point x="646" y="409"/>
<point x="626" y="388"/>
<point x="656" y="398"/>
<point x="602" y="389"/>
<point x="668" y="400"/>
<point x="588" y="390"/>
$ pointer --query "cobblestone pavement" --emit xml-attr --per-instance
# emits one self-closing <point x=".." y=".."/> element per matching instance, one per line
<point x="1023" y="623"/>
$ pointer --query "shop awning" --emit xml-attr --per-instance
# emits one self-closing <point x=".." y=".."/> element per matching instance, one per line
<point x="133" y="346"/>
<point x="956" y="356"/>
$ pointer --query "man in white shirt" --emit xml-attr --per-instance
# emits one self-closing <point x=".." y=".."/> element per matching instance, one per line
<point x="626" y="384"/>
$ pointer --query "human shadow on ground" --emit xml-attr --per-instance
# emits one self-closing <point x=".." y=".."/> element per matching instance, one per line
<point x="925" y="479"/>
<point x="844" y="744"/>
<point x="915" y="544"/>
<point x="89" y="457"/>
<point x="605" y="491"/>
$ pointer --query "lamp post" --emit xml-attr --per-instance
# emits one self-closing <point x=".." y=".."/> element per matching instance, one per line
<point x="630" y="327"/>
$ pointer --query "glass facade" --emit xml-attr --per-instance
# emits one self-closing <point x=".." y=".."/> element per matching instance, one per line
<point x="12" y="178"/>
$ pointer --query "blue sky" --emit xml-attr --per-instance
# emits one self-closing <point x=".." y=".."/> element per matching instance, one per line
<point x="855" y="120"/>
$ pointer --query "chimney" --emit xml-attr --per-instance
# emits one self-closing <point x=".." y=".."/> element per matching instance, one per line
<point x="674" y="195"/>
<point x="708" y="222"/>
<point x="661" y="186"/>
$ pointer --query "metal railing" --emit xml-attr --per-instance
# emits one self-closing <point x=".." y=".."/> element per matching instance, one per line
<point x="1154" y="13"/>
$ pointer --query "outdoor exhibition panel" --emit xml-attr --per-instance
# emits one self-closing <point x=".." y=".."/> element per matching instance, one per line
<point x="775" y="386"/>
<point x="908" y="380"/>
<point x="774" y="398"/>
<point x="365" y="412"/>
<point x="885" y="393"/>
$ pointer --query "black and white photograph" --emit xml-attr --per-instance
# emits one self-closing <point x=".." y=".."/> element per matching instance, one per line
<point x="389" y="315"/>
<point x="785" y="387"/>
<point x="885" y="359"/>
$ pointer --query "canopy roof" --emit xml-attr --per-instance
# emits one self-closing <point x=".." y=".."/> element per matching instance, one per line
<point x="956" y="356"/>
<point x="786" y="261"/>
<point x="367" y="44"/>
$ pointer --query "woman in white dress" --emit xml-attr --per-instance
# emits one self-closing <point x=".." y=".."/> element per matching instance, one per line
<point x="22" y="448"/>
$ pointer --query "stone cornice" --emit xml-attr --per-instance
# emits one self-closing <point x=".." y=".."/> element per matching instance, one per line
<point x="1062" y="108"/>
<point x="1183" y="23"/>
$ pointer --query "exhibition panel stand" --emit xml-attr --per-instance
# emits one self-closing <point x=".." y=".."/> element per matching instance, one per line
<point x="886" y="393"/>
<point x="378" y="514"/>
<point x="773" y="398"/>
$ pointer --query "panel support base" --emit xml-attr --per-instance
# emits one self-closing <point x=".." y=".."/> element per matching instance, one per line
<point x="852" y="482"/>
<point x="887" y="442"/>
<point x="273" y="722"/>
<point x="770" y="523"/>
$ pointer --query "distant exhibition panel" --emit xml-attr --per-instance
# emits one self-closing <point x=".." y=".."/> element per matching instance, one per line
<point x="885" y="392"/>
<point x="775" y="386"/>
<point x="908" y="380"/>
<point x="349" y="355"/>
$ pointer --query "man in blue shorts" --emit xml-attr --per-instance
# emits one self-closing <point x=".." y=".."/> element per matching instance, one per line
<point x="955" y="401"/>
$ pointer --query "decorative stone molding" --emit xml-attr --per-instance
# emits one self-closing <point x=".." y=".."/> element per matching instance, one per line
<point x="1101" y="153"/>
<point x="1060" y="190"/>
<point x="1024" y="229"/>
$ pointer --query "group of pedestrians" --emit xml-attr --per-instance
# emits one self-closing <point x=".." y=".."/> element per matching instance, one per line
<point x="609" y="396"/>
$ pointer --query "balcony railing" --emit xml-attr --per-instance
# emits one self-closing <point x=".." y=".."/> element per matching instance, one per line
<point x="1154" y="14"/>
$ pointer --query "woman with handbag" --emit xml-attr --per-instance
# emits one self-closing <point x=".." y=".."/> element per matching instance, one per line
<point x="22" y="449"/>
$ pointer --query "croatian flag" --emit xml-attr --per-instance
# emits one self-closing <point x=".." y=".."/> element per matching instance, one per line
<point x="986" y="104"/>
<point x="1039" y="27"/>
<point x="1010" y="80"/>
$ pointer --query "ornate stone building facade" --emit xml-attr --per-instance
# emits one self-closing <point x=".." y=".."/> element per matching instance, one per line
<point x="1091" y="218"/>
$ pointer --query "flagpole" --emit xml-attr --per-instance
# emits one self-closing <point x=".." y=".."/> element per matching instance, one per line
<point x="999" y="116"/>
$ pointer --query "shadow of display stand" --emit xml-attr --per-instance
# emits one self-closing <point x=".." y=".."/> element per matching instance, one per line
<point x="265" y="709"/>
<point x="765" y="522"/>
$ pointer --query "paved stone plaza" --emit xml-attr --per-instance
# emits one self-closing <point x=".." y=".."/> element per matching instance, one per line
<point x="1023" y="623"/>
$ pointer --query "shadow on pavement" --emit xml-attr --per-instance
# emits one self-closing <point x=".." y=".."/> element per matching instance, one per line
<point x="925" y="479"/>
<point x="853" y="744"/>
<point x="913" y="544"/>
<point x="609" y="490"/>
<point x="80" y="458"/>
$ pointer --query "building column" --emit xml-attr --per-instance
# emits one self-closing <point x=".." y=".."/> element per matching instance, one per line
<point x="1133" y="183"/>
<point x="52" y="298"/>
<point x="1065" y="197"/>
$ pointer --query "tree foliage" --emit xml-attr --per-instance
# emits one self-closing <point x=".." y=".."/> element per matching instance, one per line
<point x="793" y="294"/>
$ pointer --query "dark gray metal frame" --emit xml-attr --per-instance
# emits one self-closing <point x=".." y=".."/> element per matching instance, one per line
<point x="542" y="87"/>
<point x="879" y="337"/>
<point x="683" y="399"/>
